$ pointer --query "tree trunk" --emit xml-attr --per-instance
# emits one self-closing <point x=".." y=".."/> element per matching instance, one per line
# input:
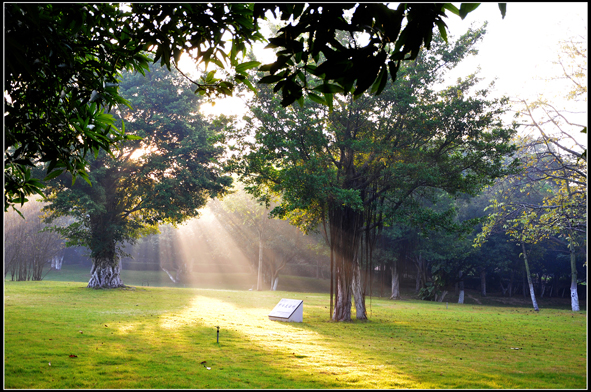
<point x="358" y="294"/>
<point x="395" y="281"/>
<point x="274" y="283"/>
<point x="483" y="282"/>
<point x="443" y="294"/>
<point x="342" y="307"/>
<point x="260" y="270"/>
<point x="105" y="274"/>
<point x="574" y="295"/>
<point x="421" y="279"/>
<point x="345" y="235"/>
<point x="461" y="284"/>
<point x="332" y="277"/>
<point x="503" y="288"/>
<point x="531" y="285"/>
<point x="174" y="280"/>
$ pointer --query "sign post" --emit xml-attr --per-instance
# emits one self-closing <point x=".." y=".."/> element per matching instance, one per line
<point x="291" y="310"/>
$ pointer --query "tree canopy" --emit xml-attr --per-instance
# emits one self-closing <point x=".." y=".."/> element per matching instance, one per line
<point x="63" y="63"/>
<point x="163" y="176"/>
<point x="310" y="50"/>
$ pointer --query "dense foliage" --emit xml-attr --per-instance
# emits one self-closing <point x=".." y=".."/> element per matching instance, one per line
<point x="312" y="61"/>
<point x="164" y="176"/>
<point x="63" y="62"/>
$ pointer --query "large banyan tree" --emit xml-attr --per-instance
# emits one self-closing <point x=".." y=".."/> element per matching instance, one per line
<point x="165" y="175"/>
<point x="350" y="169"/>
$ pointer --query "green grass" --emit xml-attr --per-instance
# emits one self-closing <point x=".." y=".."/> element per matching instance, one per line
<point x="157" y="337"/>
<point x="225" y="281"/>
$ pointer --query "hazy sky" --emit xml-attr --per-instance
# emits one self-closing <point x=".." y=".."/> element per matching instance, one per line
<point x="518" y="50"/>
<point x="522" y="46"/>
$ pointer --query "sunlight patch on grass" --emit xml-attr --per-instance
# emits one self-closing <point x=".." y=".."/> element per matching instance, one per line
<point x="309" y="349"/>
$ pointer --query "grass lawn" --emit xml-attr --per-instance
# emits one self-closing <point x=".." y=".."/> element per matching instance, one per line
<point x="228" y="281"/>
<point x="162" y="337"/>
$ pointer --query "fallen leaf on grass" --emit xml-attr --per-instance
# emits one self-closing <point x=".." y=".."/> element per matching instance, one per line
<point x="73" y="356"/>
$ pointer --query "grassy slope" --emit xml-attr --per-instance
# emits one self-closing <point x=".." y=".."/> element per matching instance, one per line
<point x="157" y="337"/>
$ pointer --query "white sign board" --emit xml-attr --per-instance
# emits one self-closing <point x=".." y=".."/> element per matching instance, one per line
<point x="288" y="310"/>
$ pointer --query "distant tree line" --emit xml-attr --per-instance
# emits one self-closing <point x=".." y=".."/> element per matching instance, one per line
<point x="29" y="250"/>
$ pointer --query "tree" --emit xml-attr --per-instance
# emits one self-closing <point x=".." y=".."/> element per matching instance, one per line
<point x="62" y="74"/>
<point x="164" y="176"/>
<point x="28" y="248"/>
<point x="63" y="62"/>
<point x="359" y="163"/>
<point x="279" y="243"/>
<point x="429" y="234"/>
<point x="559" y="211"/>
<point x="553" y="160"/>
<point x="564" y="212"/>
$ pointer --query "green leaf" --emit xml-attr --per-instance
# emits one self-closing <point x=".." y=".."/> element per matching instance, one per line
<point x="249" y="85"/>
<point x="452" y="8"/>
<point x="503" y="8"/>
<point x="316" y="98"/>
<point x="53" y="174"/>
<point x="329" y="88"/>
<point x="209" y="78"/>
<point x="302" y="77"/>
<point x="217" y="62"/>
<point x="177" y="55"/>
<point x="442" y="29"/>
<point x="328" y="98"/>
<point x="85" y="177"/>
<point x="300" y="101"/>
<point x="381" y="81"/>
<point x="271" y="79"/>
<point x="466" y="8"/>
<point x="266" y="67"/>
<point x="241" y="68"/>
